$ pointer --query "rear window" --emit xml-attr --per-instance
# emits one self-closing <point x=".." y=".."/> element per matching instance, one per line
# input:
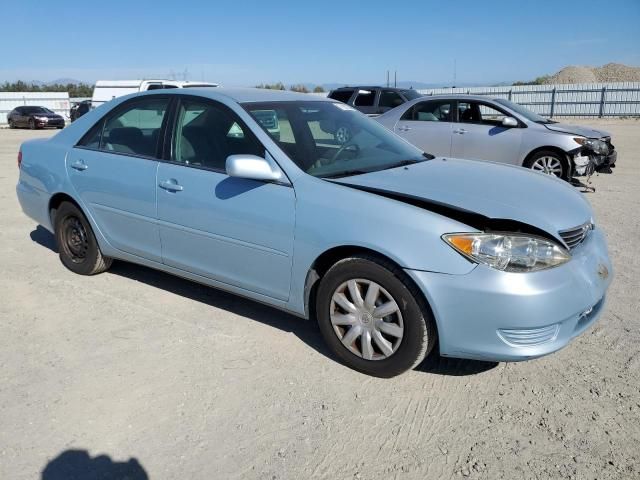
<point x="341" y="95"/>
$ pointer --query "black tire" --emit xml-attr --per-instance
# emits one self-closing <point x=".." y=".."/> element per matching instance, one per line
<point x="77" y="245"/>
<point x="12" y="125"/>
<point x="419" y="335"/>
<point x="538" y="157"/>
<point x="32" y="124"/>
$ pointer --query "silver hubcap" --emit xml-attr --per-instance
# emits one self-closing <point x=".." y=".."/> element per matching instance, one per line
<point x="548" y="165"/>
<point x="366" y="319"/>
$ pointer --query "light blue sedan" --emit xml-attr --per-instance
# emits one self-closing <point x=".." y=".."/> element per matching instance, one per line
<point x="392" y="250"/>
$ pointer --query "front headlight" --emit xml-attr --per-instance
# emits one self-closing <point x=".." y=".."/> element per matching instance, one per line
<point x="510" y="252"/>
<point x="42" y="119"/>
<point x="597" y="146"/>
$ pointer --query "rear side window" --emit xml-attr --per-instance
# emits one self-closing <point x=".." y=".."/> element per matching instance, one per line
<point x="432" y="111"/>
<point x="133" y="130"/>
<point x="341" y="95"/>
<point x="365" y="98"/>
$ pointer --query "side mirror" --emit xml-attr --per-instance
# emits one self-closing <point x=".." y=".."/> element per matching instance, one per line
<point x="254" y="168"/>
<point x="509" y="122"/>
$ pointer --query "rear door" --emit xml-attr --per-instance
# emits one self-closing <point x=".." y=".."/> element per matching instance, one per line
<point x="479" y="134"/>
<point x="428" y="125"/>
<point x="113" y="170"/>
<point x="233" y="230"/>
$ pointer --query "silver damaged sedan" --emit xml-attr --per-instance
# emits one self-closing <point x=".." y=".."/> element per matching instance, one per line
<point x="495" y="129"/>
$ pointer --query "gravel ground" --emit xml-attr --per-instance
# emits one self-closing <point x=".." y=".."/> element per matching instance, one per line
<point x="197" y="384"/>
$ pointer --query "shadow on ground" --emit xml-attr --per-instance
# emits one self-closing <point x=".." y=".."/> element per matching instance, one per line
<point x="78" y="465"/>
<point x="306" y="331"/>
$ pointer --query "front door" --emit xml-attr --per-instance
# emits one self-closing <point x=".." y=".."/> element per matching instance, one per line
<point x="233" y="230"/>
<point x="427" y="125"/>
<point x="479" y="134"/>
<point x="113" y="170"/>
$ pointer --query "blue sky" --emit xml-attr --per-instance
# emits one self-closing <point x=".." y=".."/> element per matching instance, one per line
<point x="247" y="42"/>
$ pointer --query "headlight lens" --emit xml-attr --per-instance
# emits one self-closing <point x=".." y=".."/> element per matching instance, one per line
<point x="597" y="146"/>
<point x="42" y="119"/>
<point x="510" y="252"/>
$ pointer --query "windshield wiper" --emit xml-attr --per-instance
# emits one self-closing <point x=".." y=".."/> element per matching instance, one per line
<point x="345" y="173"/>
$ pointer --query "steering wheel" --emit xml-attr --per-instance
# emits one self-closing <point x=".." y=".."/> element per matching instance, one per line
<point x="347" y="147"/>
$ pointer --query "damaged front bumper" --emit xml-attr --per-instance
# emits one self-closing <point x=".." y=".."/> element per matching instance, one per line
<point x="586" y="162"/>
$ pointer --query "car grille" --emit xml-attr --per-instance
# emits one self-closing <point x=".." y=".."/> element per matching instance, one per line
<point x="575" y="236"/>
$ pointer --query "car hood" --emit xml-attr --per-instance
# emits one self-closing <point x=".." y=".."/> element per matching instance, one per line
<point x="577" y="130"/>
<point x="48" y="115"/>
<point x="493" y="190"/>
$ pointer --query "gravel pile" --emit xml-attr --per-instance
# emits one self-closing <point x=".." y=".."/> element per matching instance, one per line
<point x="611" y="72"/>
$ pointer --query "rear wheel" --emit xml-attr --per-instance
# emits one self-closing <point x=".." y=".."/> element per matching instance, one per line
<point x="77" y="245"/>
<point x="548" y="162"/>
<point x="11" y="123"/>
<point x="373" y="317"/>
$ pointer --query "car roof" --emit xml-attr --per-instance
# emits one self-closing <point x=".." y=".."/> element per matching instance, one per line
<point x="371" y="87"/>
<point x="243" y="95"/>
<point x="459" y="96"/>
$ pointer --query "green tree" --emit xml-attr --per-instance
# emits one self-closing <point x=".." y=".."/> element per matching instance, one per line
<point x="299" y="88"/>
<point x="272" y="86"/>
<point x="318" y="89"/>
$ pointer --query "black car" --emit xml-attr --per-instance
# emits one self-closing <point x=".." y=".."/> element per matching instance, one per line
<point x="79" y="109"/>
<point x="373" y="100"/>
<point x="34" y="117"/>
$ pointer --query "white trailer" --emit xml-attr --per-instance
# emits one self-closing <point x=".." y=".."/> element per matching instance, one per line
<point x="106" y="90"/>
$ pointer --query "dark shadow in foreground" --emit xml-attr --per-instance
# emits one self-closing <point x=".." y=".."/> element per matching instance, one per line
<point x="453" y="367"/>
<point x="44" y="237"/>
<point x="78" y="465"/>
<point x="306" y="331"/>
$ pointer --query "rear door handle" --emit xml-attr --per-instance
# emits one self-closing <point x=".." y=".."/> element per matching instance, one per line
<point x="171" y="185"/>
<point x="79" y="165"/>
<point x="460" y="131"/>
<point x="404" y="128"/>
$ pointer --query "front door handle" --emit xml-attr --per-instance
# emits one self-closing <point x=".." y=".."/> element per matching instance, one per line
<point x="460" y="131"/>
<point x="79" y="165"/>
<point x="171" y="185"/>
<point x="404" y="128"/>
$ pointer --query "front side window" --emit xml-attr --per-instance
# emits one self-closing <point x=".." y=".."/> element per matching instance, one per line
<point x="481" y="113"/>
<point x="431" y="111"/>
<point x="133" y="130"/>
<point x="327" y="139"/>
<point x="206" y="134"/>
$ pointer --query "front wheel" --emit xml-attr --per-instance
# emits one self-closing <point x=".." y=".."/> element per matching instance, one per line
<point x="548" y="162"/>
<point x="32" y="124"/>
<point x="77" y="245"/>
<point x="373" y="317"/>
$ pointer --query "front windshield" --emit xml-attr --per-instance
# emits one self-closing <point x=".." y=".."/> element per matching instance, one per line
<point x="330" y="139"/>
<point x="526" y="113"/>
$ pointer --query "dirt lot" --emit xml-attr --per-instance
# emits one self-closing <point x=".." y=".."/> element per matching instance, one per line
<point x="199" y="384"/>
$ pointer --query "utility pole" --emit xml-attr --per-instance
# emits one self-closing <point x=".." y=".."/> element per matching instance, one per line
<point x="387" y="78"/>
<point x="395" y="79"/>
<point x="455" y="65"/>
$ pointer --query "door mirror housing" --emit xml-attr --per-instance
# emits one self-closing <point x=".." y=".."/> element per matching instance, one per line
<point x="254" y="168"/>
<point x="509" y="122"/>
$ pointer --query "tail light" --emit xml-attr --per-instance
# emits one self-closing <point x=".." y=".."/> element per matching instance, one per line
<point x="19" y="158"/>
